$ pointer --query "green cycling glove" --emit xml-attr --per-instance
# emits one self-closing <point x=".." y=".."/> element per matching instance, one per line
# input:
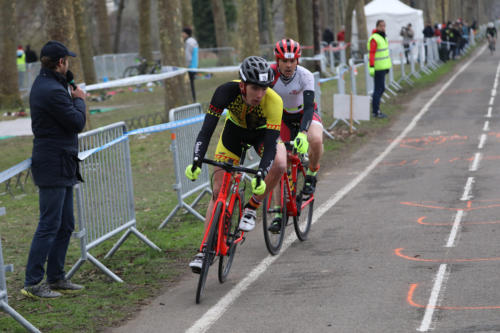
<point x="300" y="143"/>
<point x="190" y="174"/>
<point x="258" y="190"/>
<point x="372" y="71"/>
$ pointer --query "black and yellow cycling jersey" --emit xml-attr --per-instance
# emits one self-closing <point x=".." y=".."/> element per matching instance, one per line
<point x="258" y="125"/>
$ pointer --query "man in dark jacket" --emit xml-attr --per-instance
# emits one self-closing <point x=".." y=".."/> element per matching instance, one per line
<point x="57" y="116"/>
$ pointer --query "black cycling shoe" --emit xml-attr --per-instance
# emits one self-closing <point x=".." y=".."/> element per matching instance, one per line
<point x="309" y="185"/>
<point x="275" y="226"/>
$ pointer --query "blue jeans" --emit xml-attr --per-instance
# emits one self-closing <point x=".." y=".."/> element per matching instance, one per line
<point x="378" y="90"/>
<point x="51" y="239"/>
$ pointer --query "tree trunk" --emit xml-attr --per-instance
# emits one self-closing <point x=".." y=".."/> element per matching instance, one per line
<point x="291" y="29"/>
<point x="103" y="26"/>
<point x="172" y="50"/>
<point x="316" y="32"/>
<point x="248" y="24"/>
<point x="9" y="85"/>
<point x="118" y="29"/>
<point x="86" y="53"/>
<point x="349" y="8"/>
<point x="265" y="22"/>
<point x="145" y="48"/>
<point x="187" y="13"/>
<point x="362" y="29"/>
<point x="305" y="25"/>
<point x="60" y="26"/>
<point x="337" y="17"/>
<point x="331" y="15"/>
<point x="224" y="57"/>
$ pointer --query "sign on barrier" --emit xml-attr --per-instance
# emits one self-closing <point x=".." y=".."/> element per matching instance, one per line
<point x="105" y="201"/>
<point x="183" y="140"/>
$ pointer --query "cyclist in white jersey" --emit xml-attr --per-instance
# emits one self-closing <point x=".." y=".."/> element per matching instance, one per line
<point x="301" y="120"/>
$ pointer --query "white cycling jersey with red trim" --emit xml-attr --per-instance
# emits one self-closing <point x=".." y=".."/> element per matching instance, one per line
<point x="292" y="92"/>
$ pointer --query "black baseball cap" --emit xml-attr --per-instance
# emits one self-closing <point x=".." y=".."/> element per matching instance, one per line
<point x="55" y="50"/>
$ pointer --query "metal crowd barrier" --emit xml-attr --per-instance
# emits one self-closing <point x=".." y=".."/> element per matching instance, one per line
<point x="105" y="201"/>
<point x="4" y="299"/>
<point x="183" y="140"/>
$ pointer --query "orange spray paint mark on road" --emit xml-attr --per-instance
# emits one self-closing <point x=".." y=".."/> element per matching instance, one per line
<point x="467" y="208"/>
<point x="415" y="258"/>
<point x="420" y="220"/>
<point x="413" y="287"/>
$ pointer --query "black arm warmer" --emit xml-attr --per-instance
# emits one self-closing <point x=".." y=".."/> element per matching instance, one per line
<point x="269" y="150"/>
<point x="308" y="110"/>
<point x="203" y="139"/>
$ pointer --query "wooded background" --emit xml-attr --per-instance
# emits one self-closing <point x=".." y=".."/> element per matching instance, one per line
<point x="93" y="27"/>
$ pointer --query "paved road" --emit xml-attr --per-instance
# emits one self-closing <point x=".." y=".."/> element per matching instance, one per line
<point x="405" y="236"/>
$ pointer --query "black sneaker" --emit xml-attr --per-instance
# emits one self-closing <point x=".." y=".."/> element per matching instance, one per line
<point x="380" y="115"/>
<point x="40" y="290"/>
<point x="309" y="185"/>
<point x="65" y="286"/>
<point x="275" y="226"/>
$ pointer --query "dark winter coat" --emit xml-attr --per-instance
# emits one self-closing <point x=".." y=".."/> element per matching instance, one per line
<point x="56" y="120"/>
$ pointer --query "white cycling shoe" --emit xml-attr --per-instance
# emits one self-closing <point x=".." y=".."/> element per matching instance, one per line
<point x="247" y="222"/>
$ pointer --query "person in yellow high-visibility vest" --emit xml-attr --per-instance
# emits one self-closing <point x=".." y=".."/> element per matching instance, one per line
<point x="380" y="63"/>
<point x="21" y="65"/>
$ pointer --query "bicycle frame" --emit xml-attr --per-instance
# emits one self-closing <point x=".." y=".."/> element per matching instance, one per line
<point x="230" y="186"/>
<point x="291" y="202"/>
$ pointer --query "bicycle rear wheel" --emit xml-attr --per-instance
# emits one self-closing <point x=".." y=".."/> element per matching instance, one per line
<point x="231" y="231"/>
<point x="209" y="251"/>
<point x="274" y="240"/>
<point x="305" y="203"/>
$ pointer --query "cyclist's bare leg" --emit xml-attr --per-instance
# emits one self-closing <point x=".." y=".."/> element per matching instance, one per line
<point x="315" y="138"/>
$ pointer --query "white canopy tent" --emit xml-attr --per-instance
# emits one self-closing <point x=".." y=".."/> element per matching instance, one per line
<point x="396" y="15"/>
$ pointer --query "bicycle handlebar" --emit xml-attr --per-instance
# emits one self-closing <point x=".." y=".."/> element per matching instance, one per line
<point x="228" y="167"/>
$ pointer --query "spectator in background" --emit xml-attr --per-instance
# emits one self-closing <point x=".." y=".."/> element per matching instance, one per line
<point x="57" y="116"/>
<point x="380" y="63"/>
<point x="21" y="65"/>
<point x="407" y="34"/>
<point x="341" y="35"/>
<point x="30" y="55"/>
<point x="428" y="34"/>
<point x="191" y="52"/>
<point x="328" y="36"/>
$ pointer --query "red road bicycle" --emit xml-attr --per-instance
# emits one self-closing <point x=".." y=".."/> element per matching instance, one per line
<point x="292" y="202"/>
<point x="223" y="235"/>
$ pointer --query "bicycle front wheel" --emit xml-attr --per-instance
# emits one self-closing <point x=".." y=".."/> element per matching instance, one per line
<point x="231" y="234"/>
<point x="209" y="251"/>
<point x="305" y="203"/>
<point x="272" y="206"/>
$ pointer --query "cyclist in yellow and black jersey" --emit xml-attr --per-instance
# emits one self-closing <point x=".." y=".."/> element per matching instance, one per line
<point x="254" y="118"/>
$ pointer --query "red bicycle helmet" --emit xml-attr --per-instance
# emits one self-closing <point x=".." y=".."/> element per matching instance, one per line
<point x="287" y="49"/>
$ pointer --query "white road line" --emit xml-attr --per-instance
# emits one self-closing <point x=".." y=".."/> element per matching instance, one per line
<point x="488" y="115"/>
<point x="468" y="187"/>
<point x="216" y="311"/>
<point x="433" y="299"/>
<point x="482" y="140"/>
<point x="492" y="99"/>
<point x="475" y="162"/>
<point x="493" y="92"/>
<point x="486" y="126"/>
<point x="454" y="229"/>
